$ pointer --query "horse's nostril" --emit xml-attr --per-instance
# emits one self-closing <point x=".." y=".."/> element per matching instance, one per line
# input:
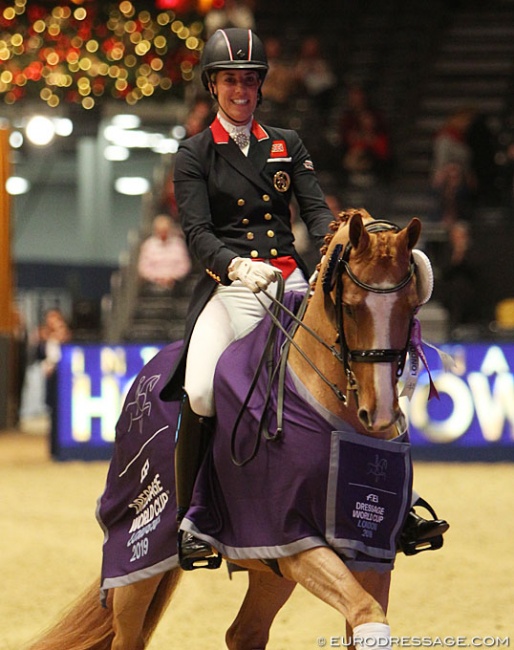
<point x="374" y="423"/>
<point x="364" y="417"/>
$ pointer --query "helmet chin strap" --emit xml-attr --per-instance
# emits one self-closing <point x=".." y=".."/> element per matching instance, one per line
<point x="230" y="118"/>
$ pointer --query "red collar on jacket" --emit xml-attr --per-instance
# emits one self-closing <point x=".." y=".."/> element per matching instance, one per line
<point x="221" y="136"/>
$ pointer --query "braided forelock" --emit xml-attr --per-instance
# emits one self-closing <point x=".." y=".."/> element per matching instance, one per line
<point x="340" y="219"/>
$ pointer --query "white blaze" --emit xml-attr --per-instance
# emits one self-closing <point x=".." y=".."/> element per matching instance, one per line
<point x="381" y="306"/>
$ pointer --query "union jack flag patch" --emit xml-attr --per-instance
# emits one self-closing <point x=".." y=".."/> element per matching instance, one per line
<point x="278" y="149"/>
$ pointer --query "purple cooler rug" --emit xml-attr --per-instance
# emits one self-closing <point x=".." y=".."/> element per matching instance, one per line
<point x="137" y="510"/>
<point x="318" y="483"/>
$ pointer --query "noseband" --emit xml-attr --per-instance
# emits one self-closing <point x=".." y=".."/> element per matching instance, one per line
<point x="340" y="265"/>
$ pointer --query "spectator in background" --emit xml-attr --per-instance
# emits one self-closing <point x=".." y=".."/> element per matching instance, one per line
<point x="365" y="157"/>
<point x="54" y="332"/>
<point x="357" y="102"/>
<point x="364" y="140"/>
<point x="459" y="278"/>
<point x="482" y="144"/>
<point x="21" y="348"/>
<point x="453" y="180"/>
<point x="315" y="76"/>
<point x="163" y="258"/>
<point x="280" y="83"/>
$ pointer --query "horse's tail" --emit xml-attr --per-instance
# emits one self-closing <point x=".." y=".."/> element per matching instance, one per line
<point x="87" y="625"/>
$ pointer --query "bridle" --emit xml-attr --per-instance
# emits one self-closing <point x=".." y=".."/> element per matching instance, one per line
<point x="337" y="267"/>
<point x="333" y="275"/>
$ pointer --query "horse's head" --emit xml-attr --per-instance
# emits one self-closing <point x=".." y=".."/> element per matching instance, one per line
<point x="371" y="291"/>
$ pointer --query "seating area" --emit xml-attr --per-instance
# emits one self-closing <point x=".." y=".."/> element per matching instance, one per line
<point x="422" y="61"/>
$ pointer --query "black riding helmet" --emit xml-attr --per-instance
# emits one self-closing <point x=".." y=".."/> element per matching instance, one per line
<point x="233" y="49"/>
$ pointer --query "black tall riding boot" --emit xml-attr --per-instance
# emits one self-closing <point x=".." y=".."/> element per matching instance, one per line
<point x="190" y="447"/>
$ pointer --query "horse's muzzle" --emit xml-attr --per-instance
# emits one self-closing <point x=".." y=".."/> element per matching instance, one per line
<point x="375" y="423"/>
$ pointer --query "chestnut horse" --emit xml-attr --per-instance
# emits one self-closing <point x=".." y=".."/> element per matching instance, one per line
<point x="346" y="352"/>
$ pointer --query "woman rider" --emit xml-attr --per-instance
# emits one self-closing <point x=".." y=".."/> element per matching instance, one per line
<point x="234" y="184"/>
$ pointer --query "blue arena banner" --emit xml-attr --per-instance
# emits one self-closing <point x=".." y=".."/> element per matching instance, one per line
<point x="473" y="419"/>
<point x="92" y="383"/>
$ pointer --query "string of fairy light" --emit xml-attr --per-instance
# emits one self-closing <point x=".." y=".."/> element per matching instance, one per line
<point x="83" y="53"/>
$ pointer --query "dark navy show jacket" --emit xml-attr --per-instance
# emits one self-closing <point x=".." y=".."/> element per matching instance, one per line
<point x="232" y="205"/>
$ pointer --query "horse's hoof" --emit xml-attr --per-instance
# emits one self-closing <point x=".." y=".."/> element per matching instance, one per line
<point x="421" y="534"/>
<point x="194" y="553"/>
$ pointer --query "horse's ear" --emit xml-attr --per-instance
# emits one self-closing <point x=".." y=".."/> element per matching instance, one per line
<point x="329" y="274"/>
<point x="413" y="232"/>
<point x="357" y="232"/>
<point x="424" y="273"/>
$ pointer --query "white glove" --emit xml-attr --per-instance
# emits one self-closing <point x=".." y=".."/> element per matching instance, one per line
<point x="255" y="276"/>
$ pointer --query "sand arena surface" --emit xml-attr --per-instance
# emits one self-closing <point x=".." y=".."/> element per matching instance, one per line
<point x="51" y="550"/>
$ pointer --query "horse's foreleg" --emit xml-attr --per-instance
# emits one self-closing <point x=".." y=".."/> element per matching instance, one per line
<point x="376" y="584"/>
<point x="266" y="594"/>
<point x="130" y="605"/>
<point x="326" y="576"/>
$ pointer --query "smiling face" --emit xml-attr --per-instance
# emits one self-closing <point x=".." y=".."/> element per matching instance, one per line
<point x="237" y="94"/>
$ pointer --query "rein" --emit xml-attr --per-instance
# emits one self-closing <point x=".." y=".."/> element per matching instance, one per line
<point x="281" y="367"/>
<point x="345" y="355"/>
<point x="267" y="356"/>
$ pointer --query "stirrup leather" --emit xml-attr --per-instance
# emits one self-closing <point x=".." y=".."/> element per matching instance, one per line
<point x="420" y="534"/>
<point x="194" y="553"/>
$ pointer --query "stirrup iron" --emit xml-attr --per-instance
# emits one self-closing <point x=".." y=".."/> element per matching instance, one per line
<point x="420" y="534"/>
<point x="201" y="558"/>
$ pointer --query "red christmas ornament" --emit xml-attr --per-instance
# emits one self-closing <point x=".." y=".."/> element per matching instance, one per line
<point x="175" y="5"/>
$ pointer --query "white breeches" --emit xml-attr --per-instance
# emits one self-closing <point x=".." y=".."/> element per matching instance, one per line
<point x="231" y="313"/>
